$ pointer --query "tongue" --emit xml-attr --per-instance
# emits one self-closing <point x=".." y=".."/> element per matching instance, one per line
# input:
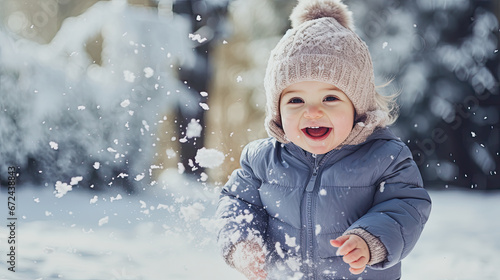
<point x="317" y="132"/>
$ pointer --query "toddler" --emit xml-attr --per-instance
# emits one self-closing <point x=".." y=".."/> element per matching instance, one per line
<point x="332" y="194"/>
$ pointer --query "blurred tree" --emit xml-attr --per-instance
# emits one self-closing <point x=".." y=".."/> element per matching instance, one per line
<point x="441" y="55"/>
<point x="82" y="102"/>
<point x="207" y="20"/>
<point x="446" y="64"/>
<point x="237" y="99"/>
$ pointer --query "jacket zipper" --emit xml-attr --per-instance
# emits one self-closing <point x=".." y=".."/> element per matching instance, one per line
<point x="309" y="219"/>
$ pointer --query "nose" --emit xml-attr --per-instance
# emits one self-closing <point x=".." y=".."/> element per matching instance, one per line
<point x="313" y="112"/>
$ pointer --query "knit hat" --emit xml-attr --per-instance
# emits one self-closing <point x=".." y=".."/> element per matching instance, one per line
<point x="322" y="46"/>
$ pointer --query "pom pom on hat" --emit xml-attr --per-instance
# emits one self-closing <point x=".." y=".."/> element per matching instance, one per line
<point x="314" y="9"/>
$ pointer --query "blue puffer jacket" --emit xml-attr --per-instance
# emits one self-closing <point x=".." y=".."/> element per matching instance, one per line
<point x="297" y="202"/>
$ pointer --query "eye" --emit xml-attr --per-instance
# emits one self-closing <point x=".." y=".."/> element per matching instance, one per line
<point x="295" y="100"/>
<point x="330" y="99"/>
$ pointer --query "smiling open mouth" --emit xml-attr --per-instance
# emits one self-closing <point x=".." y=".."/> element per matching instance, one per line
<point x="316" y="132"/>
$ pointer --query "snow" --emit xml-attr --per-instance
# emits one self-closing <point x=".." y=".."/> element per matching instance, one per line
<point x="64" y="237"/>
<point x="192" y="212"/>
<point x="94" y="199"/>
<point x="317" y="229"/>
<point x="193" y="129"/>
<point x="56" y="91"/>
<point x="453" y="244"/>
<point x="279" y="250"/>
<point x="197" y="37"/>
<point x="62" y="189"/>
<point x="75" y="180"/>
<point x="290" y="241"/>
<point x="128" y="76"/>
<point x="148" y="72"/>
<point x="125" y="103"/>
<point x="139" y="177"/>
<point x="204" y="106"/>
<point x="209" y="158"/>
<point x="382" y="187"/>
<point x="54" y="145"/>
<point x="104" y="221"/>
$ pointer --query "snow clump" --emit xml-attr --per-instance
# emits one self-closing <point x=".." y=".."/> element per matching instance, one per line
<point x="62" y="189"/>
<point x="209" y="158"/>
<point x="148" y="72"/>
<point x="125" y="103"/>
<point x="128" y="76"/>
<point x="382" y="187"/>
<point x="193" y="129"/>
<point x="54" y="145"/>
<point x="204" y="106"/>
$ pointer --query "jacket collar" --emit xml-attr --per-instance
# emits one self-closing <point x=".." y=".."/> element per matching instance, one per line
<point x="338" y="153"/>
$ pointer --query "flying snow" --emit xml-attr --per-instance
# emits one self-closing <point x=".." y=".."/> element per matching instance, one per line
<point x="94" y="199"/>
<point x="125" y="103"/>
<point x="204" y="106"/>
<point x="104" y="220"/>
<point x="75" y="180"/>
<point x="54" y="145"/>
<point x="209" y="158"/>
<point x="197" y="37"/>
<point x="128" y="76"/>
<point x="192" y="212"/>
<point x="148" y="72"/>
<point x="118" y="197"/>
<point x="193" y="129"/>
<point x="139" y="177"/>
<point x="62" y="189"/>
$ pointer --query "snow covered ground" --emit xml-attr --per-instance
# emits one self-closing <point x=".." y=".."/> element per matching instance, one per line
<point x="164" y="234"/>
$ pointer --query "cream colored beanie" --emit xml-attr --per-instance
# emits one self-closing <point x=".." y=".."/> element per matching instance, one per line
<point x="322" y="46"/>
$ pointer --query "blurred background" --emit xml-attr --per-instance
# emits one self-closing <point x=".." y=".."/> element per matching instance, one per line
<point x="117" y="91"/>
<point x="124" y="119"/>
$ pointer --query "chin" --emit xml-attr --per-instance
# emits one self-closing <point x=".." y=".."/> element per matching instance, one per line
<point x="318" y="150"/>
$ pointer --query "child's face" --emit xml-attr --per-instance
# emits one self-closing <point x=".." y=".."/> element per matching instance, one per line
<point x="316" y="116"/>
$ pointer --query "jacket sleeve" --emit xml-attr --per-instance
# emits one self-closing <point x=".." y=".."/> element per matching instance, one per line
<point x="240" y="211"/>
<point x="400" y="210"/>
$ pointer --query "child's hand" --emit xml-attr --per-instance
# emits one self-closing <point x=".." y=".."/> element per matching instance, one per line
<point x="355" y="252"/>
<point x="249" y="258"/>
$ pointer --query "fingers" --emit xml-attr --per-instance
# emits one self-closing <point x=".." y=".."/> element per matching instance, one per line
<point x="354" y="251"/>
<point x="255" y="271"/>
<point x="357" y="270"/>
<point x="348" y="245"/>
<point x="339" y="241"/>
<point x="354" y="257"/>
<point x="249" y="258"/>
